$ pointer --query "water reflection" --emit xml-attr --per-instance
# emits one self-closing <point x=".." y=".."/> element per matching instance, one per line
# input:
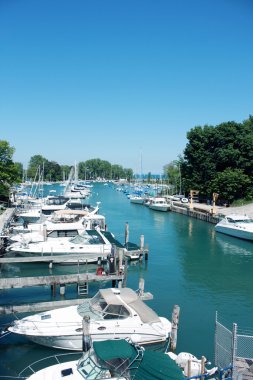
<point x="234" y="246"/>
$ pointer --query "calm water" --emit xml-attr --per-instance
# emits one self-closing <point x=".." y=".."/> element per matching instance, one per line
<point x="189" y="265"/>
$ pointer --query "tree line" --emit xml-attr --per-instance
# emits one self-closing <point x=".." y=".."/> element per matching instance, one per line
<point x="217" y="159"/>
<point x="87" y="170"/>
<point x="39" y="168"/>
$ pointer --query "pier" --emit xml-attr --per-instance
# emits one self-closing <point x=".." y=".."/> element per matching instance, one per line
<point x="201" y="212"/>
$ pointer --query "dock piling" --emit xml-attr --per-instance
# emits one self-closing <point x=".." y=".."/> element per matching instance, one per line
<point x="141" y="286"/>
<point x="62" y="289"/>
<point x="53" y="289"/>
<point x="126" y="233"/>
<point x="174" y="327"/>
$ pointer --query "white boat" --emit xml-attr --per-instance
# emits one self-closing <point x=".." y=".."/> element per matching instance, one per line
<point x="30" y="215"/>
<point x="114" y="314"/>
<point x="91" y="244"/>
<point x="110" y="359"/>
<point x="137" y="199"/>
<point x="160" y="204"/>
<point x="65" y="224"/>
<point x="240" y="226"/>
<point x="56" y="202"/>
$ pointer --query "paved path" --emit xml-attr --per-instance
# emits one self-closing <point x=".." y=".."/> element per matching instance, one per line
<point x="244" y="210"/>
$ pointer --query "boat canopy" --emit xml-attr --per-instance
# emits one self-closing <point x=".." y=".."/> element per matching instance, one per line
<point x="151" y="365"/>
<point x="72" y="212"/>
<point x="129" y="297"/>
<point x="114" y="349"/>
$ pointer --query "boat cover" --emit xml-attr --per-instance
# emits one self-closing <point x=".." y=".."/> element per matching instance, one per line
<point x="129" y="297"/>
<point x="154" y="365"/>
<point x="114" y="349"/>
<point x="158" y="366"/>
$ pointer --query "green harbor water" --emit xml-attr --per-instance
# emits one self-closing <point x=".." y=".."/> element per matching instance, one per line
<point x="189" y="265"/>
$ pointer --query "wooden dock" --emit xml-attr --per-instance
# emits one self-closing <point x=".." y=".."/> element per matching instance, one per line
<point x="196" y="212"/>
<point x="38" y="306"/>
<point x="21" y="282"/>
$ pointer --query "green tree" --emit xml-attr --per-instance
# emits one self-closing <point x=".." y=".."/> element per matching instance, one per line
<point x="9" y="174"/>
<point x="20" y="170"/>
<point x="210" y="151"/>
<point x="35" y="166"/>
<point x="231" y="184"/>
<point x="173" y="173"/>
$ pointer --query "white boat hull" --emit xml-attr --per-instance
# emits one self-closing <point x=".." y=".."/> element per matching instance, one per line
<point x="159" y="208"/>
<point x="75" y="342"/>
<point x="238" y="233"/>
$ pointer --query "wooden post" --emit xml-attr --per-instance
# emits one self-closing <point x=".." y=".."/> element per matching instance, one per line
<point x="125" y="273"/>
<point x="86" y="333"/>
<point x="120" y="255"/>
<point x="174" y="327"/>
<point x="146" y="252"/>
<point x="53" y="289"/>
<point x="215" y="197"/>
<point x="189" y="368"/>
<point x="126" y="233"/>
<point x="141" y="286"/>
<point x="62" y="289"/>
<point x="142" y="242"/>
<point x="203" y="360"/>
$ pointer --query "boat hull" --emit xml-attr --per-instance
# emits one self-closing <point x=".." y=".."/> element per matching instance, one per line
<point x="159" y="208"/>
<point x="238" y="233"/>
<point x="75" y="342"/>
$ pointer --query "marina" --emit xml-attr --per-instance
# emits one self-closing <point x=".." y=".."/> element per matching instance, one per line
<point x="185" y="267"/>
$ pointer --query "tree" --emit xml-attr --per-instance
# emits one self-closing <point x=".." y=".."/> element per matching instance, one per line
<point x="35" y="166"/>
<point x="231" y="184"/>
<point x="173" y="173"/>
<point x="212" y="154"/>
<point x="9" y="173"/>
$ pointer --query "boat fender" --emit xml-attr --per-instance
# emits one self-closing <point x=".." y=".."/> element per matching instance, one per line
<point x="183" y="358"/>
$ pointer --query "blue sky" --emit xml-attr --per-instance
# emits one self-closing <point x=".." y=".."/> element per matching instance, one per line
<point x="121" y="79"/>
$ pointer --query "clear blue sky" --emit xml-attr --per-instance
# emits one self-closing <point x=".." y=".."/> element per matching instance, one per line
<point x="121" y="79"/>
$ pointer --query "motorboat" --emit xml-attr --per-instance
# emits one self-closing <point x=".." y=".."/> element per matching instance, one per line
<point x="110" y="359"/>
<point x="30" y="215"/>
<point x="137" y="199"/>
<point x="114" y="314"/>
<point x="237" y="225"/>
<point x="56" y="202"/>
<point x="90" y="244"/>
<point x="160" y="204"/>
<point x="63" y="223"/>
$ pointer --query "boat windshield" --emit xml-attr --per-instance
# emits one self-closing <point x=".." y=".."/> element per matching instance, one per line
<point x="231" y="220"/>
<point x="108" y="311"/>
<point x="86" y="238"/>
<point x="90" y="369"/>
<point x="109" y="358"/>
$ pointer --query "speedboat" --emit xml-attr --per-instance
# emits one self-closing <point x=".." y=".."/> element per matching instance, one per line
<point x="159" y="204"/>
<point x="62" y="224"/>
<point x="114" y="314"/>
<point x="110" y="359"/>
<point x="137" y="199"/>
<point x="90" y="244"/>
<point x="240" y="226"/>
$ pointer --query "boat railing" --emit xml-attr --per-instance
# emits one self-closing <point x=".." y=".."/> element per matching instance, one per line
<point x="221" y="374"/>
<point x="47" y="361"/>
